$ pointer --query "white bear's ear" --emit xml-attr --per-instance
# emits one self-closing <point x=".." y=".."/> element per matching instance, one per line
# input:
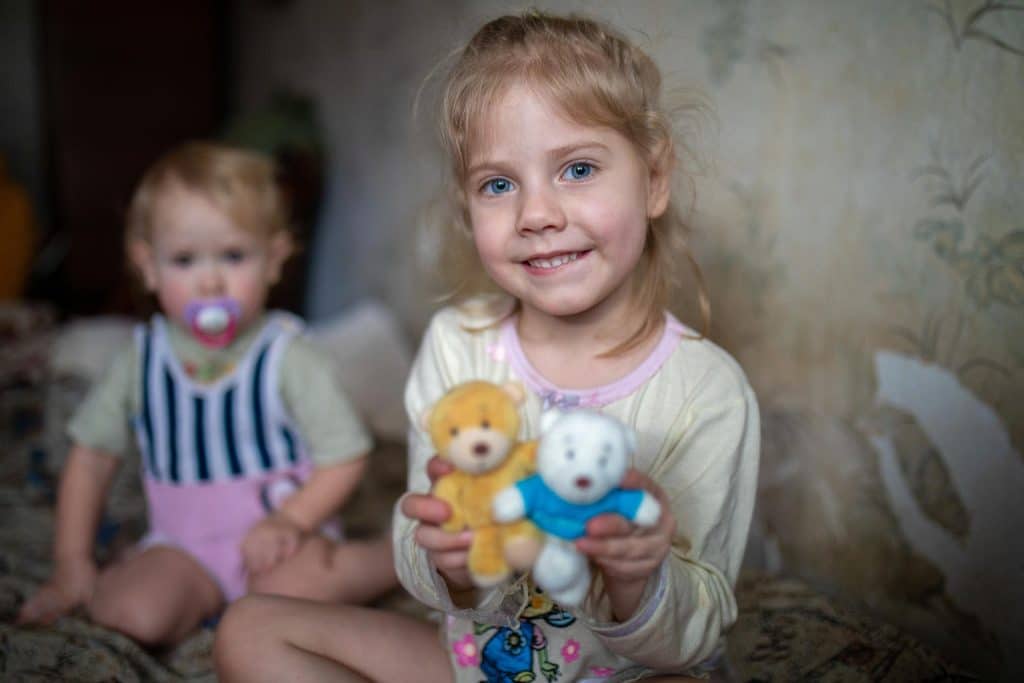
<point x="515" y="391"/>
<point x="548" y="418"/>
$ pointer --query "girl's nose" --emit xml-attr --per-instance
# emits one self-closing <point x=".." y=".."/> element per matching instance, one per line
<point x="540" y="209"/>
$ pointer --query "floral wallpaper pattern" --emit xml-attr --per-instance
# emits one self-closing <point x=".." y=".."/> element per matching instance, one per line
<point x="878" y="305"/>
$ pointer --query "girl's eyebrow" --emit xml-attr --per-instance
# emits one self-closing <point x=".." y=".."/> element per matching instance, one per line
<point x="556" y="153"/>
<point x="574" y="147"/>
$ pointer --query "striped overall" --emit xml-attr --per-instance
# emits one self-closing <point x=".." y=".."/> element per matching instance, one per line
<point x="215" y="456"/>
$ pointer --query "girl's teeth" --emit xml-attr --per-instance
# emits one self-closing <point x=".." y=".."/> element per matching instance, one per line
<point x="553" y="262"/>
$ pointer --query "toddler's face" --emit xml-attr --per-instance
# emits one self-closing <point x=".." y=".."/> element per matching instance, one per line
<point x="559" y="210"/>
<point x="197" y="253"/>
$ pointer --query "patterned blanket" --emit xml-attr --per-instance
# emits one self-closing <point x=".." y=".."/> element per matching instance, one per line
<point x="786" y="630"/>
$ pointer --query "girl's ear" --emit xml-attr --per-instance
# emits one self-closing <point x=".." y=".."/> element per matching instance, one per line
<point x="280" y="249"/>
<point x="659" y="188"/>
<point x="142" y="257"/>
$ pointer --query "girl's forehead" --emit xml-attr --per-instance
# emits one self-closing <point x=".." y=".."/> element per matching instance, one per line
<point x="490" y="120"/>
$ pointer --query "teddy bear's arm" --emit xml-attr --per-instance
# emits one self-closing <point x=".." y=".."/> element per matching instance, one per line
<point x="648" y="512"/>
<point x="448" y="489"/>
<point x="509" y="505"/>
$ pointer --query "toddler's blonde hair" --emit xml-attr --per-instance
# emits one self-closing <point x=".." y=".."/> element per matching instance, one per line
<point x="596" y="77"/>
<point x="240" y="183"/>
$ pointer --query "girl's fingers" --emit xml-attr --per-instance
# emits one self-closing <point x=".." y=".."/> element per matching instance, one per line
<point x="616" y="549"/>
<point x="435" y="539"/>
<point x="426" y="509"/>
<point x="608" y="525"/>
<point x="635" y="479"/>
<point x="451" y="561"/>
<point x="437" y="468"/>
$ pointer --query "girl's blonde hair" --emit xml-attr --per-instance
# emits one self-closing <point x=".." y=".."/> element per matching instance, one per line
<point x="598" y="78"/>
<point x="240" y="183"/>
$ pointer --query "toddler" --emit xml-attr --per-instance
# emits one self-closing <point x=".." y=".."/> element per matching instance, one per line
<point x="248" y="445"/>
<point x="562" y="162"/>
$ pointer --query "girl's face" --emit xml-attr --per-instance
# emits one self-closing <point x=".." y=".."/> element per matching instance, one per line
<point x="559" y="210"/>
<point x="198" y="254"/>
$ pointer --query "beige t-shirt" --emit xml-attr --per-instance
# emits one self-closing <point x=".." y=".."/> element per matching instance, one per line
<point x="330" y="429"/>
<point x="698" y="437"/>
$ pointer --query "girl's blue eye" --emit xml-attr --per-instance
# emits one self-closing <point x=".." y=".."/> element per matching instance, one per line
<point x="578" y="170"/>
<point x="498" y="186"/>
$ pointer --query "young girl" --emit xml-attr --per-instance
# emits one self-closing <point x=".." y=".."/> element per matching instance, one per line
<point x="562" y="163"/>
<point x="248" y="445"/>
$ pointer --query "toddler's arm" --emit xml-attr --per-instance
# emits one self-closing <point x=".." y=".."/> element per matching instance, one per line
<point x="337" y="443"/>
<point x="278" y="536"/>
<point x="80" y="496"/>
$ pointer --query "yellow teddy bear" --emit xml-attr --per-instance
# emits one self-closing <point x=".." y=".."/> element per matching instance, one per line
<point x="474" y="427"/>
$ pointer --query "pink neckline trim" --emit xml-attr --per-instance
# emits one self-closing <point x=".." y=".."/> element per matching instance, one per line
<point x="594" y="397"/>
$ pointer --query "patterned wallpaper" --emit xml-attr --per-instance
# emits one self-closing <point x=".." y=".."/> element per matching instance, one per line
<point x="863" y="241"/>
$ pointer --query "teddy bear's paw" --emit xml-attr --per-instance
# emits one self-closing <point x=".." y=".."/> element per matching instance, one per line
<point x="573" y="595"/>
<point x="649" y="511"/>
<point x="509" y="505"/>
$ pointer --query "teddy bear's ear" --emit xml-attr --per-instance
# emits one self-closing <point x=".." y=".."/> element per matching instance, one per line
<point x="425" y="419"/>
<point x="515" y="391"/>
<point x="548" y="418"/>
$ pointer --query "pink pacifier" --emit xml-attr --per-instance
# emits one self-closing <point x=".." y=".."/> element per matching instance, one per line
<point x="214" y="322"/>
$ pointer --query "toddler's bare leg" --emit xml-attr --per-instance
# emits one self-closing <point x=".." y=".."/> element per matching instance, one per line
<point x="350" y="572"/>
<point x="157" y="597"/>
<point x="272" y="638"/>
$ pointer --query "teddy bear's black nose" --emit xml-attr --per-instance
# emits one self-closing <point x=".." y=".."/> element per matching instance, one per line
<point x="481" y="448"/>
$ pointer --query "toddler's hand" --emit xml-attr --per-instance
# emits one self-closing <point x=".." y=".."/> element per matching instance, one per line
<point x="71" y="585"/>
<point x="449" y="552"/>
<point x="272" y="541"/>
<point x="626" y="554"/>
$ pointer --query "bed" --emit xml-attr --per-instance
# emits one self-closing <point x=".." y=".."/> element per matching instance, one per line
<point x="786" y="630"/>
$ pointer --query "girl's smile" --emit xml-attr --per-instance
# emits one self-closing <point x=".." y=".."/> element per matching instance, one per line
<point x="549" y="264"/>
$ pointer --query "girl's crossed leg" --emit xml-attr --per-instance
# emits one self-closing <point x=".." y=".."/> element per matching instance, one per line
<point x="272" y="638"/>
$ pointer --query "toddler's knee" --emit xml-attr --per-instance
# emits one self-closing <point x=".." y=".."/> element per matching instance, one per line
<point x="123" y="614"/>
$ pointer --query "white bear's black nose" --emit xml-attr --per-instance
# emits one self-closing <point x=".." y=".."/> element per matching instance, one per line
<point x="583" y="482"/>
<point x="481" y="448"/>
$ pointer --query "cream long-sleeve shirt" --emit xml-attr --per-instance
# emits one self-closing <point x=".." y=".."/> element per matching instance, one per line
<point x="699" y="438"/>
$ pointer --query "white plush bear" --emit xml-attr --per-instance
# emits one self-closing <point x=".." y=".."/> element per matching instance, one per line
<point x="581" y="459"/>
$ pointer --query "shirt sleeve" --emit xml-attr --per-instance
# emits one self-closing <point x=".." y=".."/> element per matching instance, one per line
<point x="312" y="395"/>
<point x="103" y="420"/>
<point x="709" y="475"/>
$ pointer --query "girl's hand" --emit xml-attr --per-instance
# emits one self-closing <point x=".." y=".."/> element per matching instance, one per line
<point x="271" y="541"/>
<point x="449" y="552"/>
<point x="71" y="585"/>
<point x="628" y="555"/>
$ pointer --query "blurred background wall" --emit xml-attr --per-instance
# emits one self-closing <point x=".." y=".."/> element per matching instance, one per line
<point x="858" y="221"/>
